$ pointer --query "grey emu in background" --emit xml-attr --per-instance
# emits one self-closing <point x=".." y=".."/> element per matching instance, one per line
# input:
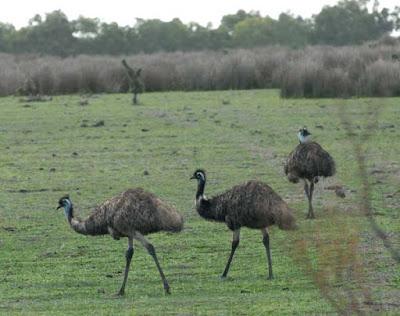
<point x="132" y="214"/>
<point x="308" y="161"/>
<point x="252" y="204"/>
<point x="136" y="84"/>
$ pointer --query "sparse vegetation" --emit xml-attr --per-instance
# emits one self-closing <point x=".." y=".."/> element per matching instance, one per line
<point x="67" y="130"/>
<point x="333" y="264"/>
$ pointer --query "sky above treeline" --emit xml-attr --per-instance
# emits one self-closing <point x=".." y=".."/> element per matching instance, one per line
<point x="125" y="12"/>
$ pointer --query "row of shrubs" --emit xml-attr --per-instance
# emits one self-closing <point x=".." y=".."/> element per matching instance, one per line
<point x="316" y="71"/>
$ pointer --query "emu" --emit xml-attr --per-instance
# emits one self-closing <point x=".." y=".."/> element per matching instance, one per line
<point x="136" y="84"/>
<point x="132" y="214"/>
<point x="252" y="204"/>
<point x="308" y="161"/>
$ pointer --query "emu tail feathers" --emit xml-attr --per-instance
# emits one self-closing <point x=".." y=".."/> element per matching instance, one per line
<point x="172" y="221"/>
<point x="175" y="223"/>
<point x="285" y="219"/>
<point x="292" y="177"/>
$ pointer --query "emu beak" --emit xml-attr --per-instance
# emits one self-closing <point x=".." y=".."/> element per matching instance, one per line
<point x="192" y="177"/>
<point x="60" y="206"/>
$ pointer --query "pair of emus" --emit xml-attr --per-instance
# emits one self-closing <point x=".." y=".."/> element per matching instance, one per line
<point x="135" y="212"/>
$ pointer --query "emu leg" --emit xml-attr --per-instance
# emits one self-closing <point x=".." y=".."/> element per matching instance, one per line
<point x="128" y="255"/>
<point x="134" y="98"/>
<point x="307" y="193"/>
<point x="235" y="243"/>
<point x="310" y="214"/>
<point x="306" y="190"/>
<point x="268" y="250"/>
<point x="152" y="252"/>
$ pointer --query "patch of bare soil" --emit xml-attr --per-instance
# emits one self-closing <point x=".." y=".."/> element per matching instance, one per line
<point x="36" y="98"/>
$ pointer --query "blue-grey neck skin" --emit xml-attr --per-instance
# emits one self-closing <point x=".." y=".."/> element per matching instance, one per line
<point x="303" y="138"/>
<point x="201" y="182"/>
<point x="68" y="209"/>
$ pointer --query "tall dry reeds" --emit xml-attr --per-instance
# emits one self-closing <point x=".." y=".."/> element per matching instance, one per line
<point x="315" y="71"/>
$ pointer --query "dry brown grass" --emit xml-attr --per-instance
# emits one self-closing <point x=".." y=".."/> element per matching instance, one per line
<point x="317" y="71"/>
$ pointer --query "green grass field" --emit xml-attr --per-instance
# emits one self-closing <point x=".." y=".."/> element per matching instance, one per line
<point x="52" y="148"/>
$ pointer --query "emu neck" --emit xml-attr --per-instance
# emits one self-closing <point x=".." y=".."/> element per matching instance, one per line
<point x="76" y="225"/>
<point x="69" y="212"/>
<point x="207" y="208"/>
<point x="200" y="189"/>
<point x="303" y="138"/>
<point x="202" y="205"/>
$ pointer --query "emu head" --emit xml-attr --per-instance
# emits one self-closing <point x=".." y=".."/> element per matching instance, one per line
<point x="303" y="135"/>
<point x="64" y="201"/>
<point x="200" y="175"/>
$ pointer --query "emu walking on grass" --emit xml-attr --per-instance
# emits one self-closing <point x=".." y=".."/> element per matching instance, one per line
<point x="308" y="161"/>
<point x="252" y="204"/>
<point x="132" y="214"/>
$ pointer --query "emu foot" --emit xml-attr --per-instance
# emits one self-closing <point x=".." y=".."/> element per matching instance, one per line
<point x="225" y="278"/>
<point x="310" y="216"/>
<point x="270" y="277"/>
<point x="118" y="295"/>
<point x="167" y="289"/>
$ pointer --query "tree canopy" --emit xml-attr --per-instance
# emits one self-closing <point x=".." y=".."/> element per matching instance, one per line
<point x="347" y="22"/>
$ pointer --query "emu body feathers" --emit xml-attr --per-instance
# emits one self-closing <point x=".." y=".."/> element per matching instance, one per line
<point x="132" y="214"/>
<point x="252" y="204"/>
<point x="132" y="210"/>
<point x="309" y="161"/>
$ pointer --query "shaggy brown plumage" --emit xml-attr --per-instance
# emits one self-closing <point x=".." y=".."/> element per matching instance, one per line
<point x="252" y="204"/>
<point x="309" y="161"/>
<point x="132" y="214"/>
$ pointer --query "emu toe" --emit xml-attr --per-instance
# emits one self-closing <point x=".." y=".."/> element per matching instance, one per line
<point x="310" y="214"/>
<point x="118" y="295"/>
<point x="167" y="289"/>
<point x="225" y="278"/>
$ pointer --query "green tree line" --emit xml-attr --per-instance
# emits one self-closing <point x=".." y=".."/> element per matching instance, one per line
<point x="347" y="22"/>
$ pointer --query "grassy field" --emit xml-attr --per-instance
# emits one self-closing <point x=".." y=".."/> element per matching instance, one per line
<point x="57" y="147"/>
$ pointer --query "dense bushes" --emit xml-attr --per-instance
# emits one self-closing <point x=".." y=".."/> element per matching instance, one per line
<point x="315" y="71"/>
<point x="343" y="72"/>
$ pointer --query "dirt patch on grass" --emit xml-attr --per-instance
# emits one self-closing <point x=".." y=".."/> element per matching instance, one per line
<point x="263" y="152"/>
<point x="34" y="190"/>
